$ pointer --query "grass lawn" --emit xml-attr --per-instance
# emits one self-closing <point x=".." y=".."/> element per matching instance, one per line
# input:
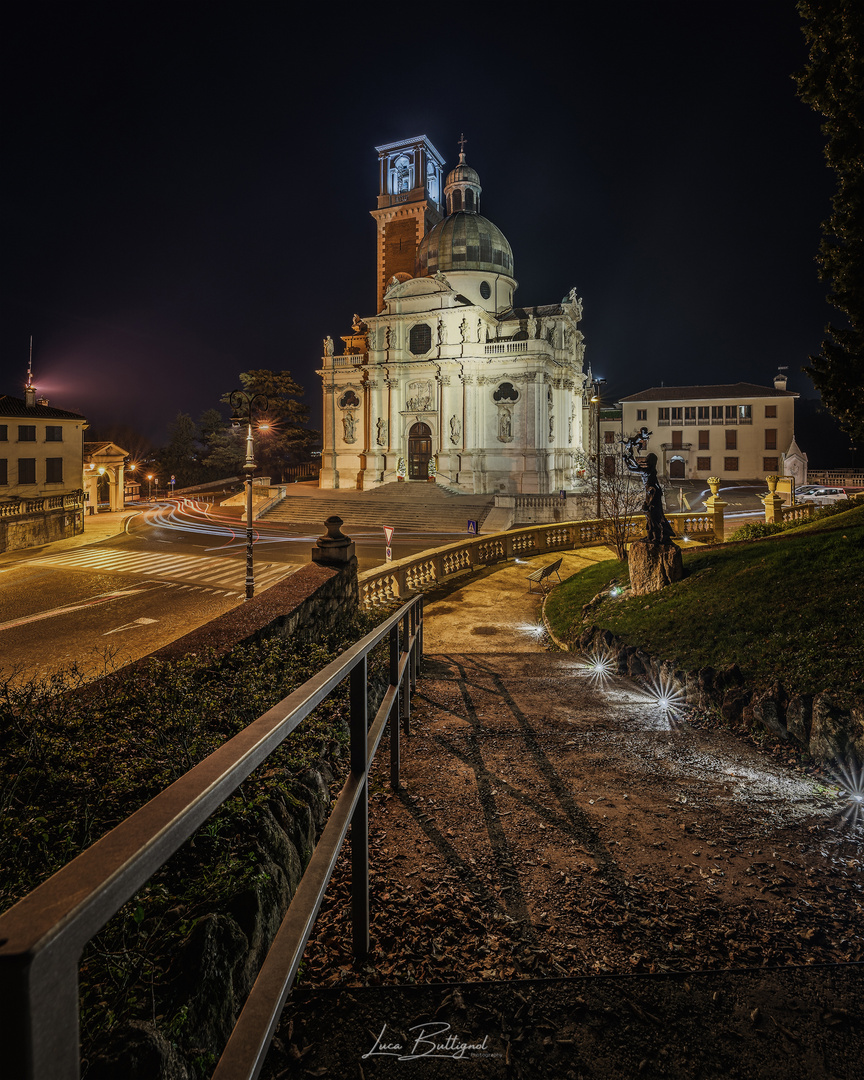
<point x="788" y="607"/>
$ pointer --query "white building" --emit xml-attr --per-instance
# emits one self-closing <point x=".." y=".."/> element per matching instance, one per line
<point x="449" y="381"/>
<point x="736" y="431"/>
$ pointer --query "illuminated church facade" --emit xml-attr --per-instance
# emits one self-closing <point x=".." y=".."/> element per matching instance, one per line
<point x="450" y="381"/>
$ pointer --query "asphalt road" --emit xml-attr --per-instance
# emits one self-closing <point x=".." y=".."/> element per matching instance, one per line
<point x="172" y="568"/>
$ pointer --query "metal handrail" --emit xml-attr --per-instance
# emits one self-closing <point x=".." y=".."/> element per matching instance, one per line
<point x="43" y="935"/>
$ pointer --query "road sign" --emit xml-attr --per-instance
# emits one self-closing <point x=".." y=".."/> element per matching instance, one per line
<point x="472" y="528"/>
<point x="388" y="533"/>
<point x="389" y="554"/>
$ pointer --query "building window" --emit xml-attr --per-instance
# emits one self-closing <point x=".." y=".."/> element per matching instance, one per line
<point x="731" y="440"/>
<point x="662" y="416"/>
<point x="770" y="410"/>
<point x="4" y="471"/>
<point x="54" y="470"/>
<point x="26" y="433"/>
<point x="4" y="432"/>
<point x="26" y="470"/>
<point x="704" y="412"/>
<point x="54" y="433"/>
<point x="349" y="400"/>
<point x="641" y="414"/>
<point x="769" y="464"/>
<point x="676" y="413"/>
<point x="677" y="441"/>
<point x="730" y="464"/>
<point x="745" y="414"/>
<point x="716" y="414"/>
<point x="731" y="414"/>
<point x="770" y="438"/>
<point x="609" y="463"/>
<point x="704" y="440"/>
<point x="703" y="464"/>
<point x="506" y="392"/>
<point x="608" y="436"/>
<point x="420" y="339"/>
<point x="690" y="414"/>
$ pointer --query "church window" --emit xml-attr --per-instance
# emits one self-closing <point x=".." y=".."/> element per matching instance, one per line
<point x="506" y="392"/>
<point x="457" y="201"/>
<point x="485" y="290"/>
<point x="349" y="400"/>
<point x="469" y="200"/>
<point x="420" y="339"/>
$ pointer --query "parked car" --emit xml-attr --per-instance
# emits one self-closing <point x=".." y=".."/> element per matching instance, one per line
<point x="805" y="489"/>
<point x="822" y="496"/>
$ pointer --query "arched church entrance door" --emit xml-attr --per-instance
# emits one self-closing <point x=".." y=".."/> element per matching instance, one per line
<point x="419" y="452"/>
<point x="676" y="468"/>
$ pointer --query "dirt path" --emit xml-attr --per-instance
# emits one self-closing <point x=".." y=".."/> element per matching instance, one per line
<point x="552" y="824"/>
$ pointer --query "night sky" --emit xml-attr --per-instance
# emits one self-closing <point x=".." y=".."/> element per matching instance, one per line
<point x="188" y="185"/>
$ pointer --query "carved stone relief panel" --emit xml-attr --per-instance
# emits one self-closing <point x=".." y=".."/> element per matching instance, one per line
<point x="420" y="397"/>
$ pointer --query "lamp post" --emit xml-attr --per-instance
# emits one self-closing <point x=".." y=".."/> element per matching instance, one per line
<point x="242" y="407"/>
<point x="150" y="487"/>
<point x="595" y="401"/>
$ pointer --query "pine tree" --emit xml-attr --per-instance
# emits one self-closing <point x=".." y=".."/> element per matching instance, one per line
<point x="288" y="438"/>
<point x="833" y="84"/>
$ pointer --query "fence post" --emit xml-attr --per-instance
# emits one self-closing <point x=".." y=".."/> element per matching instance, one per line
<point x="360" y="817"/>
<point x="406" y="682"/>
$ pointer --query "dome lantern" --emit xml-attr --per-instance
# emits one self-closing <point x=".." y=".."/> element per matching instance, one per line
<point x="462" y="187"/>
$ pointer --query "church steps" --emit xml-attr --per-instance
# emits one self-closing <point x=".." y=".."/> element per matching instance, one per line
<point x="422" y="510"/>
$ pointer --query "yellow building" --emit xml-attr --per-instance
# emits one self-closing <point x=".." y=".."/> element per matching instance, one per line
<point x="41" y="448"/>
<point x="737" y="431"/>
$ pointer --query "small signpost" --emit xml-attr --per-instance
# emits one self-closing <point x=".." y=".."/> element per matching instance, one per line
<point x="388" y="536"/>
<point x="472" y="528"/>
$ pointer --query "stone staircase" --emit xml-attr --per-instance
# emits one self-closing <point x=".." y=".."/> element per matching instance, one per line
<point x="415" y="507"/>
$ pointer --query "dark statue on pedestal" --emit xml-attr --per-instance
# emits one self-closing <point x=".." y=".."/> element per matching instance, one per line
<point x="654" y="561"/>
<point x="657" y="528"/>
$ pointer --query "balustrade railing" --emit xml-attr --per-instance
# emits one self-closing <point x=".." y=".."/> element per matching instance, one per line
<point x="395" y="580"/>
<point x="43" y="935"/>
<point x="73" y="500"/>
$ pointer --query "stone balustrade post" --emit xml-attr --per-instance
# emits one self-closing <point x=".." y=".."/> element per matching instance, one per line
<point x="715" y="506"/>
<point x="773" y="502"/>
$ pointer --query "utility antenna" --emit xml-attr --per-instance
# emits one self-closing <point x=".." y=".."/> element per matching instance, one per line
<point x="30" y="366"/>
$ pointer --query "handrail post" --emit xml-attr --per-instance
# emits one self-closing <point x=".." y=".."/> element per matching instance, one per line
<point x="360" y="817"/>
<point x="394" y="711"/>
<point x="406" y="682"/>
<point x="412" y="660"/>
<point x="39" y="1023"/>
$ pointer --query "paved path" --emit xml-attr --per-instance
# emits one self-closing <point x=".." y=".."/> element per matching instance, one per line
<point x="553" y="826"/>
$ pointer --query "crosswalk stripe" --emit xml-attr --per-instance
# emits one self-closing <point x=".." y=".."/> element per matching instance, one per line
<point x="208" y="571"/>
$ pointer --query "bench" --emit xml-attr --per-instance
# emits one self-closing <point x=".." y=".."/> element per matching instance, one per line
<point x="543" y="573"/>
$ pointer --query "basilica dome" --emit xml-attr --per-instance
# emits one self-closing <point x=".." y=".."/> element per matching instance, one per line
<point x="464" y="241"/>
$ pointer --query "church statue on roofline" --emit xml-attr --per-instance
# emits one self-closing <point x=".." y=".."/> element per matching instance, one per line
<point x="450" y="378"/>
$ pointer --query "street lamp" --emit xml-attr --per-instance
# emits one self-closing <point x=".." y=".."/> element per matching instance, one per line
<point x="150" y="488"/>
<point x="242" y="407"/>
<point x="595" y="401"/>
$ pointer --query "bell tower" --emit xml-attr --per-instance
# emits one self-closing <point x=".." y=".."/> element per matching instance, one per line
<point x="410" y="203"/>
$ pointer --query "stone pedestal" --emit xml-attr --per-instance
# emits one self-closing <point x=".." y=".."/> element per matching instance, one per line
<point x="653" y="566"/>
<point x="335" y="549"/>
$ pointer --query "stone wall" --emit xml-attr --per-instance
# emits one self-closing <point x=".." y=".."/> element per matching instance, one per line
<point x="27" y="530"/>
<point x="813" y="722"/>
